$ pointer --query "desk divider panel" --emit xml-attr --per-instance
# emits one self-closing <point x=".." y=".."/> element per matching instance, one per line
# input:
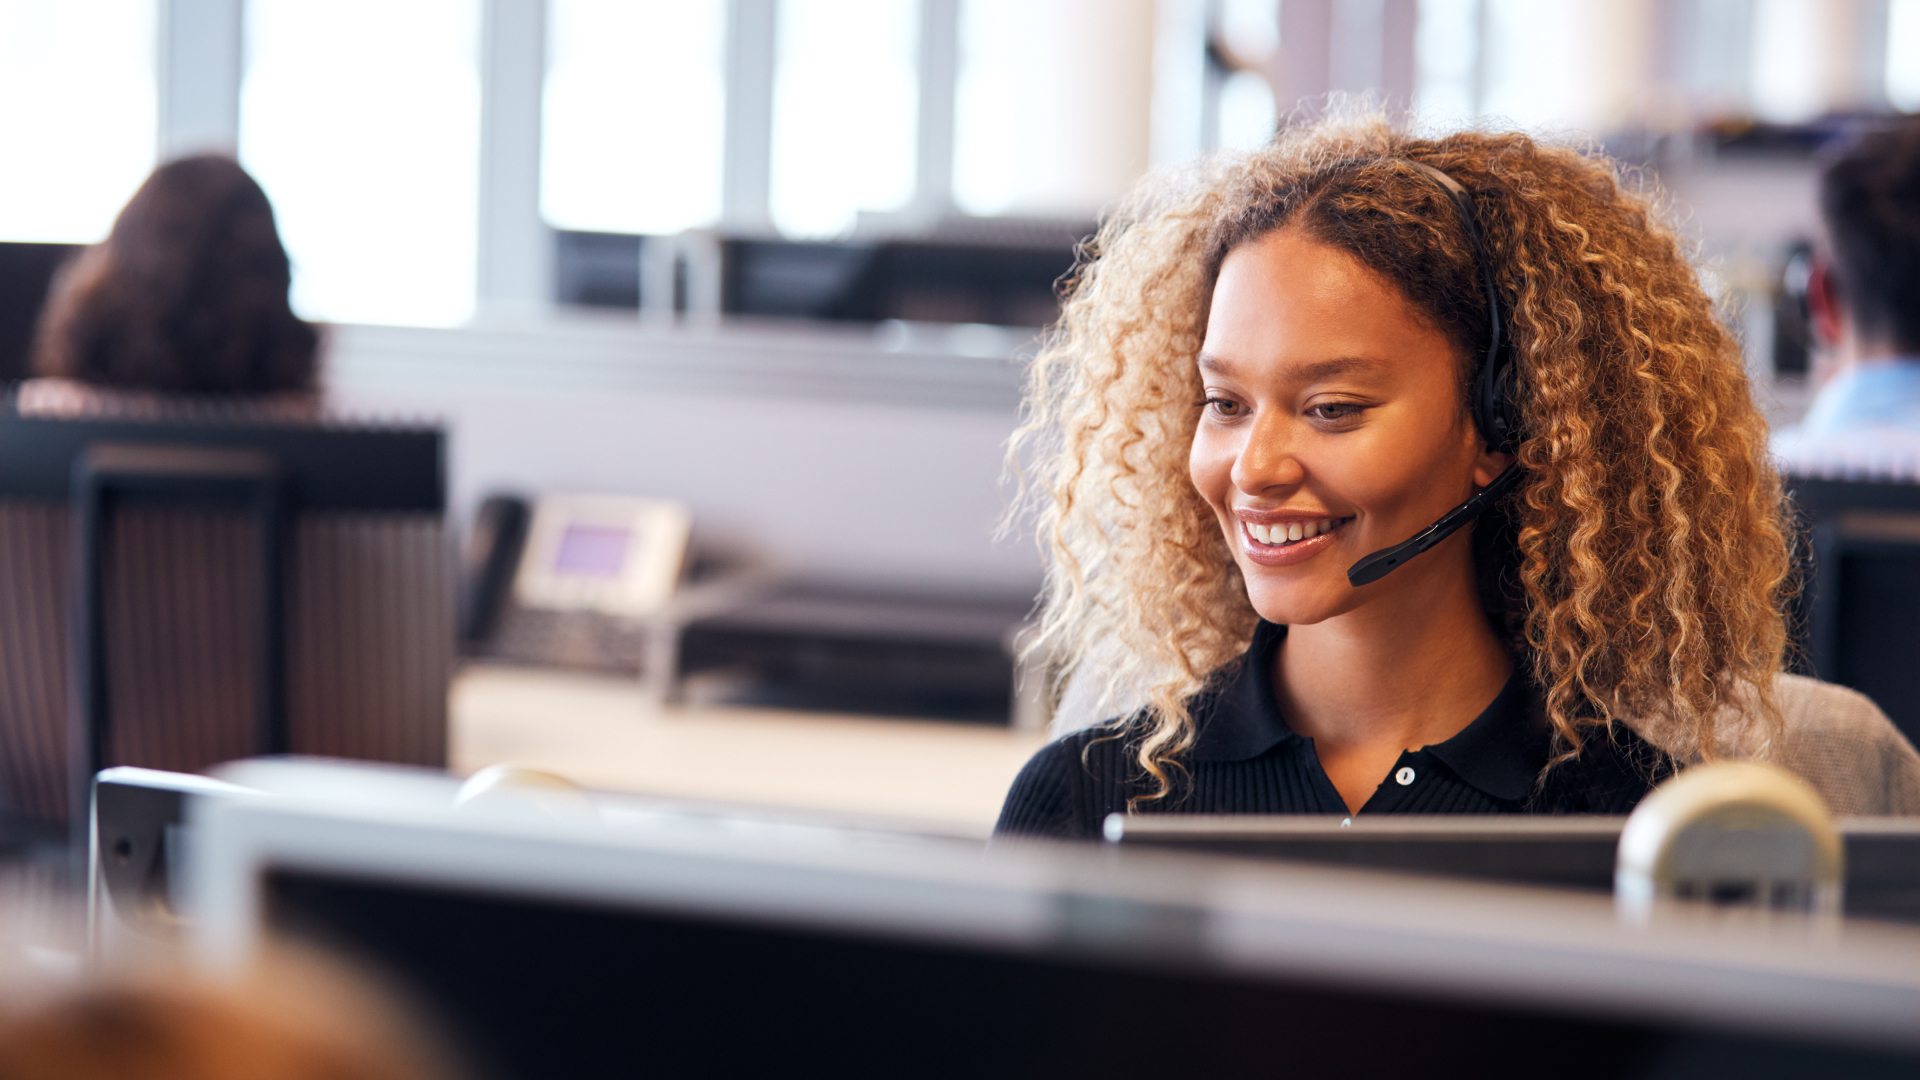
<point x="367" y="636"/>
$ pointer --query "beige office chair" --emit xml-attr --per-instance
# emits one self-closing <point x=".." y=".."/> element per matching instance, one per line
<point x="1845" y="747"/>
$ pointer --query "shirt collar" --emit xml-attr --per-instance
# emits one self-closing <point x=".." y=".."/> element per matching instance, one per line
<point x="1239" y="718"/>
<point x="1506" y="746"/>
<point x="1501" y="752"/>
<point x="1884" y="391"/>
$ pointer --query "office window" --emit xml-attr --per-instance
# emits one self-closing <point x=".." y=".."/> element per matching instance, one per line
<point x="76" y="115"/>
<point x="1903" y="54"/>
<point x="632" y="132"/>
<point x="1247" y="112"/>
<point x="1532" y="72"/>
<point x="1250" y="29"/>
<point x="361" y="118"/>
<point x="1447" y="53"/>
<point x="987" y="120"/>
<point x="1787" y="73"/>
<point x="1715" y="51"/>
<point x="1050" y="104"/>
<point x="845" y="103"/>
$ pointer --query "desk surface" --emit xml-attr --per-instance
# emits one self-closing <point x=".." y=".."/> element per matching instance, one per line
<point x="602" y="732"/>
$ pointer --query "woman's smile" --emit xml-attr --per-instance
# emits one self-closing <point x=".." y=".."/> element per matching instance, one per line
<point x="1281" y="538"/>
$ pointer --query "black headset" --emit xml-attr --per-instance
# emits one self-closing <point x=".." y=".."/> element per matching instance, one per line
<point x="1495" y="413"/>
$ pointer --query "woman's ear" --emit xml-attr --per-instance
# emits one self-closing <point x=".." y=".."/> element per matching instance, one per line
<point x="1488" y="466"/>
<point x="1824" y="307"/>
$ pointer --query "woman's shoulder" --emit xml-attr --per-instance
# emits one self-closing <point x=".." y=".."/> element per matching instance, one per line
<point x="1055" y="792"/>
<point x="1614" y="769"/>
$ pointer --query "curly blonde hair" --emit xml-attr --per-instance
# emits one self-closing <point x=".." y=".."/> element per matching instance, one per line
<point x="1640" y="569"/>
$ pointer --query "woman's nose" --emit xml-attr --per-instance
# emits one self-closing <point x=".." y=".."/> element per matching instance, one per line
<point x="1267" y="459"/>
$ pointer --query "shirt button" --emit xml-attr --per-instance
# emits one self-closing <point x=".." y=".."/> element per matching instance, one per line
<point x="1404" y="776"/>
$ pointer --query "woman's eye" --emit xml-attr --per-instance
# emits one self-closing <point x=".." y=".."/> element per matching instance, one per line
<point x="1225" y="407"/>
<point x="1333" y="410"/>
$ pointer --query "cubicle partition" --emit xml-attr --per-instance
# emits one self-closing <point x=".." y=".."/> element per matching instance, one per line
<point x="144" y="621"/>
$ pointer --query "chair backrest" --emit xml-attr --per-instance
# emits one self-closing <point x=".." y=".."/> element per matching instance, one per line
<point x="1862" y="606"/>
<point x="368" y="592"/>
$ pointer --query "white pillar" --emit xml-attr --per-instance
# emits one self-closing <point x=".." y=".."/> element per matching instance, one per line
<point x="1085" y="81"/>
<point x="1579" y="65"/>
<point x="515" y="253"/>
<point x="1179" y="119"/>
<point x="939" y="79"/>
<point x="747" y="183"/>
<point x="199" y="68"/>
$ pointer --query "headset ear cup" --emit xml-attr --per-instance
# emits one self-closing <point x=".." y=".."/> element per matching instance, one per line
<point x="1494" y="410"/>
<point x="1506" y="406"/>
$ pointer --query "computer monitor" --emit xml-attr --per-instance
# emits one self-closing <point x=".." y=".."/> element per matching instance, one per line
<point x="1578" y="852"/>
<point x="26" y="273"/>
<point x="551" y="947"/>
<point x="1860" y="613"/>
<point x="1562" y="852"/>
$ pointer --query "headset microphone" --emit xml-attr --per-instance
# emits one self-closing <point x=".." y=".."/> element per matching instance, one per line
<point x="1381" y="563"/>
<point x="1492" y="404"/>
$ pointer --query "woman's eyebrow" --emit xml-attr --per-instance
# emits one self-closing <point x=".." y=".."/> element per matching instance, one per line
<point x="1313" y="371"/>
<point x="1338" y="365"/>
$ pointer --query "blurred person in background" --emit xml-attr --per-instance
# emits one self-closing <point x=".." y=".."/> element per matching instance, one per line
<point x="1865" y="307"/>
<point x="1269" y="372"/>
<point x="186" y="298"/>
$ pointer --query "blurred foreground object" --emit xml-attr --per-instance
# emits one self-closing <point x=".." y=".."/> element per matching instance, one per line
<point x="721" y="944"/>
<point x="1733" y="835"/>
<point x="515" y="786"/>
<point x="298" y="1017"/>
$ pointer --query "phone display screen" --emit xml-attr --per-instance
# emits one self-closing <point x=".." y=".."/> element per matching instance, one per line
<point x="592" y="550"/>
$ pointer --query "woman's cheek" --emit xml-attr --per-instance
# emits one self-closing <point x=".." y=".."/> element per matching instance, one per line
<point x="1210" y="467"/>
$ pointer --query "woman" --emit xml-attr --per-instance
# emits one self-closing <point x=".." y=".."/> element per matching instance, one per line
<point x="187" y="296"/>
<point x="1272" y="374"/>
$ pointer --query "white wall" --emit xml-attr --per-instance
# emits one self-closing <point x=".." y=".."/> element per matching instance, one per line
<point x="818" y="451"/>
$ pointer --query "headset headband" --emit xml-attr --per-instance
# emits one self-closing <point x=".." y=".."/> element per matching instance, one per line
<point x="1492" y="405"/>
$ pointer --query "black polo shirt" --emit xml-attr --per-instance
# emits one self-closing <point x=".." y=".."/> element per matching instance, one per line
<point x="1245" y="760"/>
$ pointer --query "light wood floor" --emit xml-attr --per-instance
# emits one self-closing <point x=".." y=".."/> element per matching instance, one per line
<point x="601" y="732"/>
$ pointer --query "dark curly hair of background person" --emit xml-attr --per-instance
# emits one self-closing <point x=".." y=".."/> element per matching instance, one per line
<point x="187" y="295"/>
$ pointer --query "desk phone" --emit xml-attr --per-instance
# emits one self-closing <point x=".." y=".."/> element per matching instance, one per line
<point x="611" y="554"/>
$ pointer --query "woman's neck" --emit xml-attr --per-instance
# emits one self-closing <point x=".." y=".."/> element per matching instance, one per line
<point x="1401" y="672"/>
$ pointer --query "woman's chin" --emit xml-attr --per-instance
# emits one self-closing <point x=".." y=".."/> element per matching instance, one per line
<point x="1299" y="603"/>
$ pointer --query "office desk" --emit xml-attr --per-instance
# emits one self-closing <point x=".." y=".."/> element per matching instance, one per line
<point x="602" y="732"/>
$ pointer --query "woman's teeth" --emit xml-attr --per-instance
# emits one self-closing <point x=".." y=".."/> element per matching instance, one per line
<point x="1290" y="532"/>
